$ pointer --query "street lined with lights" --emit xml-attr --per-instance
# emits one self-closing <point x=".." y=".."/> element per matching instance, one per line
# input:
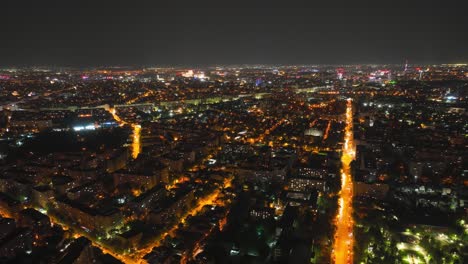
<point x="342" y="252"/>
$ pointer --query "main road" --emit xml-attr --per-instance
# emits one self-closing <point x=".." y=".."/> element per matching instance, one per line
<point x="136" y="136"/>
<point x="342" y="252"/>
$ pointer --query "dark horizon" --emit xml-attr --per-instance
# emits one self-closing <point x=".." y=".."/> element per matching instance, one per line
<point x="210" y="66"/>
<point x="112" y="33"/>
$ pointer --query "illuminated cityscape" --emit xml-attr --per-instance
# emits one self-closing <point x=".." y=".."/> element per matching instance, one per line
<point x="224" y="133"/>
<point x="281" y="164"/>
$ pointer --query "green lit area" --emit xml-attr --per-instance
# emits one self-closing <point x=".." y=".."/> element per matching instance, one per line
<point x="417" y="244"/>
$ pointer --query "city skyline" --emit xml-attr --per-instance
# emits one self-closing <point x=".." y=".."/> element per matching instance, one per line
<point x="277" y="165"/>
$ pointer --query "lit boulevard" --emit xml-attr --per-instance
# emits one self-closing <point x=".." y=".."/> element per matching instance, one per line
<point x="136" y="147"/>
<point x="210" y="199"/>
<point x="343" y="240"/>
<point x="327" y="131"/>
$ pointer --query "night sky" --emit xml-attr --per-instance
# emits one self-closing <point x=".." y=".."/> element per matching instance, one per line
<point x="200" y="33"/>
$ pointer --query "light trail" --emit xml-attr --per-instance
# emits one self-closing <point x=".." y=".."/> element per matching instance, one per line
<point x="76" y="233"/>
<point x="327" y="131"/>
<point x="136" y="135"/>
<point x="136" y="146"/>
<point x="267" y="132"/>
<point x="113" y="112"/>
<point x="146" y="94"/>
<point x="313" y="123"/>
<point x="200" y="244"/>
<point x="210" y="199"/>
<point x="342" y="252"/>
